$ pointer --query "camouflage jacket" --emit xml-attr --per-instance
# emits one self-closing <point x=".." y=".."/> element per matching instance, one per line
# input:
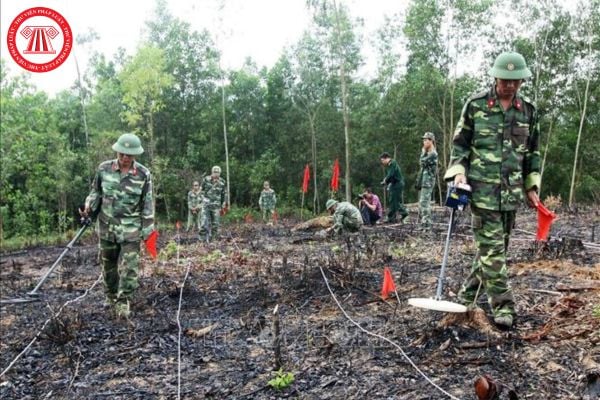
<point x="393" y="175"/>
<point x="427" y="173"/>
<point x="213" y="192"/>
<point x="194" y="200"/>
<point x="346" y="216"/>
<point x="267" y="200"/>
<point x="497" y="150"/>
<point x="123" y="203"/>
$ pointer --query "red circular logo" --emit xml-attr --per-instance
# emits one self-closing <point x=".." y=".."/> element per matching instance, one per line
<point x="39" y="39"/>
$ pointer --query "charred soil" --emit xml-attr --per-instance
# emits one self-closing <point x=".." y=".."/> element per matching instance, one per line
<point x="229" y="346"/>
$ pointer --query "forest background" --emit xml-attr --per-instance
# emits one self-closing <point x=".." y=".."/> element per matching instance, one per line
<point x="310" y="107"/>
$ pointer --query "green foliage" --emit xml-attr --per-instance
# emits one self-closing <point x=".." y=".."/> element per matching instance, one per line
<point x="168" y="252"/>
<point x="240" y="214"/>
<point x="282" y="380"/>
<point x="212" y="257"/>
<point x="596" y="312"/>
<point x="282" y="118"/>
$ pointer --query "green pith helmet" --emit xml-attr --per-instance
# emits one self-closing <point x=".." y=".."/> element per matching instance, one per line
<point x="510" y="65"/>
<point x="128" y="143"/>
<point x="429" y="135"/>
<point x="216" y="169"/>
<point x="330" y="203"/>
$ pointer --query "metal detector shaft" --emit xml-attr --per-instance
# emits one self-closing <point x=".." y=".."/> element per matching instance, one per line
<point x="69" y="246"/>
<point x="438" y="294"/>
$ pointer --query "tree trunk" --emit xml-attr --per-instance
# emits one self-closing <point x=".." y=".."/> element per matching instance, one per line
<point x="225" y="138"/>
<point x="545" y="154"/>
<point x="344" y="103"/>
<point x="151" y="136"/>
<point x="581" y="120"/>
<point x="313" y="139"/>
<point x="82" y="101"/>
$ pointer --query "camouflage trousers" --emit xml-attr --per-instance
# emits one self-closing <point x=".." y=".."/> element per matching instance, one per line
<point x="120" y="262"/>
<point x="489" y="271"/>
<point x="268" y="211"/>
<point x="425" y="206"/>
<point x="210" y="221"/>
<point x="396" y="204"/>
<point x="348" y="225"/>
<point x="193" y="220"/>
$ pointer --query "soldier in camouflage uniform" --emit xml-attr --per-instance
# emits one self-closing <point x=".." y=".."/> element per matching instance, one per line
<point x="395" y="185"/>
<point x="194" y="203"/>
<point x="346" y="217"/>
<point x="495" y="148"/>
<point x="267" y="201"/>
<point x="121" y="197"/>
<point x="214" y="200"/>
<point x="426" y="178"/>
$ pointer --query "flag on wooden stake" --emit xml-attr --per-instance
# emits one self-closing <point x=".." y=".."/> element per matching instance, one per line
<point x="388" y="283"/>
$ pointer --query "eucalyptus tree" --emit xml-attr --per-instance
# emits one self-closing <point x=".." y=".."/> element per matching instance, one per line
<point x="337" y="30"/>
<point x="586" y="65"/>
<point x="309" y="89"/>
<point x="82" y="40"/>
<point x="144" y="80"/>
<point x="192" y="59"/>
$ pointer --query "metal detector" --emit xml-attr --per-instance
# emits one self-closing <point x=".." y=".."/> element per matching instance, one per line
<point x="457" y="199"/>
<point x="33" y="294"/>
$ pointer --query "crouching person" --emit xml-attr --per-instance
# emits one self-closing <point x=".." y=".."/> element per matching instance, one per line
<point x="346" y="217"/>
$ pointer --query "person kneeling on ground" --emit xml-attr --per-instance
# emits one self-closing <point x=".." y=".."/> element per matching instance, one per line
<point x="346" y="217"/>
<point x="370" y="207"/>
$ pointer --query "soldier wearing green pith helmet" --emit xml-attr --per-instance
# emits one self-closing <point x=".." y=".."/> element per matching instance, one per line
<point x="121" y="197"/>
<point x="267" y="201"/>
<point x="346" y="217"/>
<point x="495" y="150"/>
<point x="214" y="200"/>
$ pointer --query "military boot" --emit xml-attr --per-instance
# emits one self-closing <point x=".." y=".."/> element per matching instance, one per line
<point x="504" y="318"/>
<point x="122" y="309"/>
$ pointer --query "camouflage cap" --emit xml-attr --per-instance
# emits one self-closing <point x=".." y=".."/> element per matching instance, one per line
<point x="429" y="135"/>
<point x="216" y="169"/>
<point x="129" y="144"/>
<point x="330" y="203"/>
<point x="510" y="65"/>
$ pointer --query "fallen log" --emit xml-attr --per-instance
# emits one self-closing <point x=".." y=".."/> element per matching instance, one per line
<point x="314" y="224"/>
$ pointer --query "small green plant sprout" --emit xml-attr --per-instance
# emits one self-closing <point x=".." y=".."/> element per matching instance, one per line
<point x="282" y="380"/>
<point x="596" y="311"/>
<point x="169" y="251"/>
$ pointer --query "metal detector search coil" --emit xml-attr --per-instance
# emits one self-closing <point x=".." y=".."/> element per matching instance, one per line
<point x="457" y="199"/>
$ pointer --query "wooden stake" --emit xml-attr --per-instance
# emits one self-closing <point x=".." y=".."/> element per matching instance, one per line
<point x="276" y="338"/>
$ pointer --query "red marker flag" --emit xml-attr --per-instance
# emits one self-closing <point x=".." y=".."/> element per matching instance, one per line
<point x="545" y="219"/>
<point x="335" y="176"/>
<point x="306" y="179"/>
<point x="151" y="243"/>
<point x="178" y="225"/>
<point x="388" y="283"/>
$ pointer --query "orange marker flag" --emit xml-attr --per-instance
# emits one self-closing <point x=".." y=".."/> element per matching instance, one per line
<point x="388" y="283"/>
<point x="545" y="219"/>
<point x="151" y="243"/>
<point x="275" y="217"/>
<point x="335" y="176"/>
<point x="178" y="225"/>
<point x="305" y="179"/>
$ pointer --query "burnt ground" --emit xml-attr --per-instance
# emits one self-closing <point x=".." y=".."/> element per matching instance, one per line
<point x="228" y="348"/>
